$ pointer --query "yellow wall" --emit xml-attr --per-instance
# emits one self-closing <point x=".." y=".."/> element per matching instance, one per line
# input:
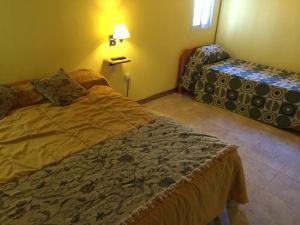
<point x="39" y="36"/>
<point x="263" y="31"/>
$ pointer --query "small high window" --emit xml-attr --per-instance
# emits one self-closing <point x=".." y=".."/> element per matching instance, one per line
<point x="203" y="13"/>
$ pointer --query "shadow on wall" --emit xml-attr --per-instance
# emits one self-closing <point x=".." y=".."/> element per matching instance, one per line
<point x="115" y="76"/>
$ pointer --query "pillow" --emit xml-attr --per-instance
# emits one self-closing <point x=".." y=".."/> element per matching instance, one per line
<point x="28" y="96"/>
<point x="59" y="89"/>
<point x="211" y="54"/>
<point x="88" y="78"/>
<point x="8" y="99"/>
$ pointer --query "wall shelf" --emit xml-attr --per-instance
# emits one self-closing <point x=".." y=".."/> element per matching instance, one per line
<point x="116" y="62"/>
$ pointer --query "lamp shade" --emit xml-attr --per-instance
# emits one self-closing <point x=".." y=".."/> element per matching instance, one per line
<point x="121" y="32"/>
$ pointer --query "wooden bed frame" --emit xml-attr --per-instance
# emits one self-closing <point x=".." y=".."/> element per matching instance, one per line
<point x="184" y="58"/>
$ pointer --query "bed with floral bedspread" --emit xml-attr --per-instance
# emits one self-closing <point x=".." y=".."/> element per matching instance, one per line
<point x="107" y="160"/>
<point x="257" y="91"/>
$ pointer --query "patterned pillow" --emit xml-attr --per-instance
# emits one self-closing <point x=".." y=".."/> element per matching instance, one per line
<point x="212" y="54"/>
<point x="8" y="100"/>
<point x="59" y="89"/>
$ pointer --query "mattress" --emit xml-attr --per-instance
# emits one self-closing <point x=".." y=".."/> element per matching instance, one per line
<point x="107" y="160"/>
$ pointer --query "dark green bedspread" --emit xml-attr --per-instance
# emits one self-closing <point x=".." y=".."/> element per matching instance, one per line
<point x="262" y="93"/>
<point x="257" y="91"/>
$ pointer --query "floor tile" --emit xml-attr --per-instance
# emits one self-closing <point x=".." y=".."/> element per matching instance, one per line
<point x="258" y="173"/>
<point x="292" y="168"/>
<point x="267" y="209"/>
<point x="287" y="189"/>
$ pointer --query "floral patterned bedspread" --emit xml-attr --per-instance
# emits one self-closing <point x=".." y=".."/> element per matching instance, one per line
<point x="260" y="92"/>
<point x="109" y="181"/>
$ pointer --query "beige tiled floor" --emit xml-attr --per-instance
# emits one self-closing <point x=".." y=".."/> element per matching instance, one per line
<point x="271" y="157"/>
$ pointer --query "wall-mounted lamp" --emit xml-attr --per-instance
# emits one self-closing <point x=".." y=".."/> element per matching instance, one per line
<point x="120" y="32"/>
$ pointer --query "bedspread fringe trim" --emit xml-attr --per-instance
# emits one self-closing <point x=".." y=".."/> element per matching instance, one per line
<point x="143" y="210"/>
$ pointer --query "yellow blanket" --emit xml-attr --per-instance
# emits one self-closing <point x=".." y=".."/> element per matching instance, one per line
<point x="39" y="135"/>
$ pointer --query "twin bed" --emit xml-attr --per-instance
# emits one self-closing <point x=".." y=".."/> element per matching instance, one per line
<point x="107" y="160"/>
<point x="257" y="91"/>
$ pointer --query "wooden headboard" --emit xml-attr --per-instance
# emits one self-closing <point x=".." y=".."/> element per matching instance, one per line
<point x="184" y="58"/>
